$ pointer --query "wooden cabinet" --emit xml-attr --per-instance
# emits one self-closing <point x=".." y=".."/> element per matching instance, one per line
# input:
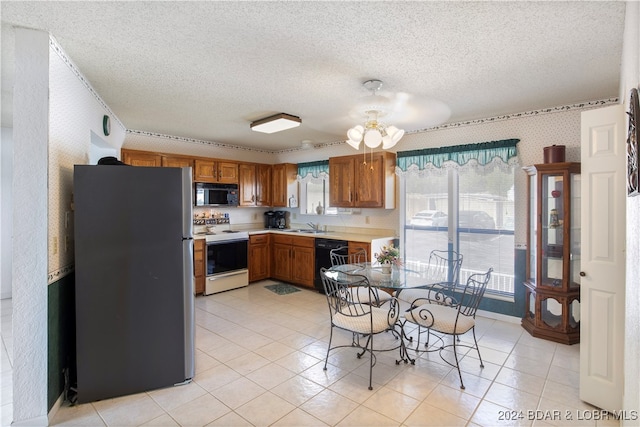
<point x="293" y="259"/>
<point x="552" y="285"/>
<point x="199" y="247"/>
<point x="259" y="257"/>
<point x="285" y="184"/>
<point x="145" y="158"/>
<point x="141" y="158"/>
<point x="363" y="181"/>
<point x="354" y="247"/>
<point x="177" y="162"/>
<point x="206" y="170"/>
<point x="254" y="182"/>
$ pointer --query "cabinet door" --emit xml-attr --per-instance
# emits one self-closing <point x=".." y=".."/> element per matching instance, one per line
<point x="198" y="265"/>
<point x="369" y="182"/>
<point x="176" y="162"/>
<point x="263" y="185"/>
<point x="204" y="171"/>
<point x="279" y="190"/>
<point x="141" y="158"/>
<point x="247" y="184"/>
<point x="258" y="262"/>
<point x="227" y="172"/>
<point x="303" y="267"/>
<point x="357" y="246"/>
<point x="281" y="267"/>
<point x="341" y="180"/>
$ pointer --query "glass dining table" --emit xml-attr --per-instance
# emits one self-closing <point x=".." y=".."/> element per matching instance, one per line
<point x="400" y="278"/>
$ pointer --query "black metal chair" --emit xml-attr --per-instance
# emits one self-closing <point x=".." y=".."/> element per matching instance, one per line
<point x="444" y="267"/>
<point x="454" y="319"/>
<point x="340" y="256"/>
<point x="350" y="314"/>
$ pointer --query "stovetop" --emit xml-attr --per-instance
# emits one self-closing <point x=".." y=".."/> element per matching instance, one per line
<point x="226" y="235"/>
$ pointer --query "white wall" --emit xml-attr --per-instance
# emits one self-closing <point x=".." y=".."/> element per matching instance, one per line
<point x="630" y="78"/>
<point x="30" y="136"/>
<point x="6" y="211"/>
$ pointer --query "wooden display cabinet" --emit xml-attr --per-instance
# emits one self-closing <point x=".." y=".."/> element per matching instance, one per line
<point x="552" y="285"/>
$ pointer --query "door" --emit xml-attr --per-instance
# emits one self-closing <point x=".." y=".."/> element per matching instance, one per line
<point x="602" y="274"/>
<point x="303" y="268"/>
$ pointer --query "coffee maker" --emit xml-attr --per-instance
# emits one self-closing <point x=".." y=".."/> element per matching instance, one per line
<point x="281" y="219"/>
<point x="270" y="219"/>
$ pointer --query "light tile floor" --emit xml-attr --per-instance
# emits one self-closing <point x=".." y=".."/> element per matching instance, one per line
<point x="259" y="359"/>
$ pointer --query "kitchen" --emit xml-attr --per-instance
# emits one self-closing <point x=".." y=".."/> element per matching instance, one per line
<point x="555" y="127"/>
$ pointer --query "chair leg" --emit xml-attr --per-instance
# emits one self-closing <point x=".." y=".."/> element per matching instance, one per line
<point x="455" y="354"/>
<point x="326" y="359"/>
<point x="477" y="348"/>
<point x="370" y="342"/>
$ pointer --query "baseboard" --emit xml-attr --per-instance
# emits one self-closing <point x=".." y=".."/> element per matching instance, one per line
<point x="56" y="406"/>
<point x="32" y="422"/>
<point x="498" y="316"/>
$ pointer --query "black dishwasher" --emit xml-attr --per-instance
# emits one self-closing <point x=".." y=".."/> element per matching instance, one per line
<point x="323" y="259"/>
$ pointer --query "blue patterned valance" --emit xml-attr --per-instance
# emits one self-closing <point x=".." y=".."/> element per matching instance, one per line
<point x="484" y="156"/>
<point x="313" y="171"/>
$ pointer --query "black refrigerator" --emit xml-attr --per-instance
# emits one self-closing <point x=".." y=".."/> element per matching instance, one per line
<point x="134" y="279"/>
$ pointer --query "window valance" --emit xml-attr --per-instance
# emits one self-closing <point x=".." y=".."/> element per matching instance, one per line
<point x="313" y="171"/>
<point x="484" y="156"/>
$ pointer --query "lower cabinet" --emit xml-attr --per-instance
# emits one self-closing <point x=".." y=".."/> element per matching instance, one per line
<point x="199" y="246"/>
<point x="259" y="259"/>
<point x="357" y="246"/>
<point x="293" y="259"/>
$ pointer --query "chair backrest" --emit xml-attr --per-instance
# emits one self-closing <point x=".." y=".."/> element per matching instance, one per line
<point x="337" y="288"/>
<point x="445" y="266"/>
<point x="340" y="256"/>
<point x="473" y="293"/>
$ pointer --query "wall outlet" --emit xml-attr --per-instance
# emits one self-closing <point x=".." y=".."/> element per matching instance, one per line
<point x="255" y="216"/>
<point x="366" y="220"/>
<point x="54" y="245"/>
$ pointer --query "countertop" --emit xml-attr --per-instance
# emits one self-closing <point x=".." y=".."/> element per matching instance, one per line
<point x="361" y="235"/>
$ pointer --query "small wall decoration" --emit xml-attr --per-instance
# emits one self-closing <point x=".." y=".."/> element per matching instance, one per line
<point x="632" y="145"/>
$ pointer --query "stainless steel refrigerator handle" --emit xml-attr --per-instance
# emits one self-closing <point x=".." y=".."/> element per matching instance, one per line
<point x="232" y="273"/>
<point x="189" y="310"/>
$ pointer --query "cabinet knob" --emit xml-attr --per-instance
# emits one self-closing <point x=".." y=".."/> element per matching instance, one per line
<point x="582" y="274"/>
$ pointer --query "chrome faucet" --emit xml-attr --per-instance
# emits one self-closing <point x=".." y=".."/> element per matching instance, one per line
<point x="316" y="227"/>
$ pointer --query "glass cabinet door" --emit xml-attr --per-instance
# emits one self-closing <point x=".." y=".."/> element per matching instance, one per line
<point x="552" y="211"/>
<point x="533" y="229"/>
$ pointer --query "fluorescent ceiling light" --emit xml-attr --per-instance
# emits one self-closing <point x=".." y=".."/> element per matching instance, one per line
<point x="276" y="123"/>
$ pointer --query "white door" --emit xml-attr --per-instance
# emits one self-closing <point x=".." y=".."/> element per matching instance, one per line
<point x="602" y="284"/>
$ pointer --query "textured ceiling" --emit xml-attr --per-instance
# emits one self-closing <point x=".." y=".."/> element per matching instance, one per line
<point x="206" y="70"/>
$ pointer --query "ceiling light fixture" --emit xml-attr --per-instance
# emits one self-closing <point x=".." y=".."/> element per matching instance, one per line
<point x="374" y="132"/>
<point x="276" y="123"/>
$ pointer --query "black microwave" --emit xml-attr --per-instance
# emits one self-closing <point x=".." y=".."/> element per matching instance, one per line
<point x="207" y="194"/>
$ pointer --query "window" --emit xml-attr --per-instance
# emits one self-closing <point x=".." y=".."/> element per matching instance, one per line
<point x="314" y="188"/>
<point x="466" y="209"/>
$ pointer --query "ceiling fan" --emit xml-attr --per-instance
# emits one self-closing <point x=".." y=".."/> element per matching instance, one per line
<point x="381" y="109"/>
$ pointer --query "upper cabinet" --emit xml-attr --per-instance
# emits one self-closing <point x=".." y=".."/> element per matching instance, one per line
<point x="254" y="184"/>
<point x="285" y="184"/>
<point x="141" y="158"/>
<point x="363" y="181"/>
<point x="145" y="158"/>
<point x="210" y="170"/>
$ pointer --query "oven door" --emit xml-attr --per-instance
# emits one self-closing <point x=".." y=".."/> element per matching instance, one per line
<point x="225" y="256"/>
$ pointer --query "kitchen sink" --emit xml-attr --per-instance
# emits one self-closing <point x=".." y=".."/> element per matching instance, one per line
<point x="304" y="230"/>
